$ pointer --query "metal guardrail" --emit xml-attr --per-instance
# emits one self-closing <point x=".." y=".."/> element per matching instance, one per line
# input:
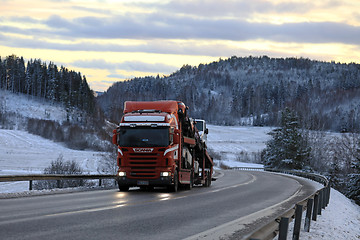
<point x="58" y="177"/>
<point x="313" y="205"/>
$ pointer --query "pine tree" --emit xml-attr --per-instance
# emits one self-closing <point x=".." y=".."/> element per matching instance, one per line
<point x="52" y="82"/>
<point x="28" y="78"/>
<point x="21" y="75"/>
<point x="287" y="149"/>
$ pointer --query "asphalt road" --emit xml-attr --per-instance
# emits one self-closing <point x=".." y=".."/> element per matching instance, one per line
<point x="110" y="214"/>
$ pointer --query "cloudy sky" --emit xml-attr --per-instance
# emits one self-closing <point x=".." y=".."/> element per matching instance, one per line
<point x="109" y="40"/>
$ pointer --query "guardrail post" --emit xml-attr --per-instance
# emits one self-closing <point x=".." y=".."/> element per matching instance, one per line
<point x="324" y="198"/>
<point x="297" y="224"/>
<point x="283" y="228"/>
<point x="30" y="185"/>
<point x="308" y="215"/>
<point x="315" y="209"/>
<point x="320" y="202"/>
<point x="328" y="197"/>
<point x="99" y="182"/>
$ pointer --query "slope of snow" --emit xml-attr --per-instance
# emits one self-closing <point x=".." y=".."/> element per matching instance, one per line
<point x="24" y="153"/>
<point x="232" y="140"/>
<point x="32" y="107"/>
<point x="236" y="143"/>
<point x="340" y="220"/>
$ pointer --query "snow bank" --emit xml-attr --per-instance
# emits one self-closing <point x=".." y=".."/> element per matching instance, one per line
<point x="24" y="153"/>
<point x="340" y="220"/>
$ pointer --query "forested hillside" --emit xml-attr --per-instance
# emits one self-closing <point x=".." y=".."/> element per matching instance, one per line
<point x="46" y="81"/>
<point x="55" y="103"/>
<point x="253" y="90"/>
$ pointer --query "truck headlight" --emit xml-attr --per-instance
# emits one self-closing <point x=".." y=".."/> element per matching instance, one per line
<point x="165" y="174"/>
<point x="122" y="174"/>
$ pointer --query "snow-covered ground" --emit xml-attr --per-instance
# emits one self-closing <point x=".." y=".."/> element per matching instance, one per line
<point x="23" y="153"/>
<point x="237" y="143"/>
<point x="340" y="220"/>
<point x="32" y="107"/>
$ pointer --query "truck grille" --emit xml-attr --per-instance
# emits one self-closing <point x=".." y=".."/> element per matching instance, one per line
<point x="143" y="165"/>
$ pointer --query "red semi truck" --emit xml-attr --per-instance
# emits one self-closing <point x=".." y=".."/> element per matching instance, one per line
<point x="160" y="146"/>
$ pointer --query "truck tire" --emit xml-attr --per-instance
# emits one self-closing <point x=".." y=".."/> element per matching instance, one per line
<point x="207" y="180"/>
<point x="206" y="183"/>
<point x="175" y="186"/>
<point x="189" y="186"/>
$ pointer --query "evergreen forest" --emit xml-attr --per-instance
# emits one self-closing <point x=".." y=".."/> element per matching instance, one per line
<point x="46" y="81"/>
<point x="253" y="91"/>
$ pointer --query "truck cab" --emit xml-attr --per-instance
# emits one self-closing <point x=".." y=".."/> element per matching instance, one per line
<point x="203" y="131"/>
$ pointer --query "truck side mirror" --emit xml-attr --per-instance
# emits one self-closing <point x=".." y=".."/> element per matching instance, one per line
<point x="207" y="131"/>
<point x="114" y="137"/>
<point x="176" y="136"/>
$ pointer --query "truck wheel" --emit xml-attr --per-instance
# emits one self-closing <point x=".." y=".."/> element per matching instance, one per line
<point x="206" y="183"/>
<point x="207" y="180"/>
<point x="175" y="187"/>
<point x="189" y="186"/>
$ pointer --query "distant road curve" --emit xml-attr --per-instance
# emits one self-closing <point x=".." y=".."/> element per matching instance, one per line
<point x="235" y="199"/>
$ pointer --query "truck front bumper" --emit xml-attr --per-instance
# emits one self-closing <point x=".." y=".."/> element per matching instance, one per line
<point x="159" y="182"/>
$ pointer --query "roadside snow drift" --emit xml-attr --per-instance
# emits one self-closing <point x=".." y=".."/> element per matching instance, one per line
<point x="24" y="153"/>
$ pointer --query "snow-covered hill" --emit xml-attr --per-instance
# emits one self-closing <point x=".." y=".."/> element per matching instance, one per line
<point x="234" y="144"/>
<point x="24" y="153"/>
<point x="324" y="94"/>
<point x="21" y="152"/>
<point x="54" y="121"/>
<point x="31" y="107"/>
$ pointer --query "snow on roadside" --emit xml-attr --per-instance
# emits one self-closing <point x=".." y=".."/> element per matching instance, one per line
<point x="340" y="220"/>
<point x="23" y="153"/>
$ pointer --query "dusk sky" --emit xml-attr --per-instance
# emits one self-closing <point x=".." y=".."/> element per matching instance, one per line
<point x="109" y="41"/>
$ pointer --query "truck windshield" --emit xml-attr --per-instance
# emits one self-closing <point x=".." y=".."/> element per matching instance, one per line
<point x="199" y="125"/>
<point x="143" y="137"/>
